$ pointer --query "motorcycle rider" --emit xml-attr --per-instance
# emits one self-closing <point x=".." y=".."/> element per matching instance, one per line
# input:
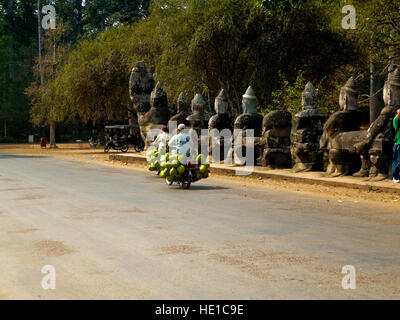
<point x="180" y="143"/>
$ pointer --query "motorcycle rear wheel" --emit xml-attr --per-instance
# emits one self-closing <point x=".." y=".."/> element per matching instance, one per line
<point x="186" y="184"/>
<point x="125" y="149"/>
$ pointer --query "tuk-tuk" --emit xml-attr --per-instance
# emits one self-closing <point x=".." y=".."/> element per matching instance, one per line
<point x="130" y="134"/>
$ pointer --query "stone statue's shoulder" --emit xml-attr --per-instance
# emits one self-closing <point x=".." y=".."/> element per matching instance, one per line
<point x="212" y="123"/>
<point x="259" y="117"/>
<point x="243" y="118"/>
<point x="277" y="117"/>
<point x="311" y="113"/>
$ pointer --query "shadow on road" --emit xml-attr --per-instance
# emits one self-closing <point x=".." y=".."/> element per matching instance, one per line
<point x="194" y="187"/>
<point x="101" y="151"/>
<point x="17" y="156"/>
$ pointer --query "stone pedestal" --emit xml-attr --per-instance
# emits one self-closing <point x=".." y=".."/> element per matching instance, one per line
<point x="306" y="133"/>
<point x="340" y="133"/>
<point x="376" y="148"/>
<point x="276" y="134"/>
<point x="249" y="120"/>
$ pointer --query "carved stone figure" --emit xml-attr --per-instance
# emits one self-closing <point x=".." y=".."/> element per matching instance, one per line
<point x="306" y="133"/>
<point x="277" y="126"/>
<point x="199" y="118"/>
<point x="141" y="84"/>
<point x="376" y="148"/>
<point x="250" y="120"/>
<point x="158" y="115"/>
<point x="220" y="121"/>
<point x="340" y="133"/>
<point x="183" y="109"/>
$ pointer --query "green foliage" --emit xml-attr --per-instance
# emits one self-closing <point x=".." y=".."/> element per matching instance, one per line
<point x="278" y="5"/>
<point x="18" y="54"/>
<point x="205" y="45"/>
<point x="211" y="48"/>
<point x="100" y="14"/>
<point x="91" y="81"/>
<point x="378" y="27"/>
<point x="219" y="44"/>
<point x="288" y="97"/>
<point x="17" y="50"/>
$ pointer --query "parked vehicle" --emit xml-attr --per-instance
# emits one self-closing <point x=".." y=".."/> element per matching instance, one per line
<point x="129" y="133"/>
<point x="119" y="145"/>
<point x="135" y="140"/>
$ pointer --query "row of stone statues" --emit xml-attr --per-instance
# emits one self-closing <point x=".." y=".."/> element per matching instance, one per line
<point x="281" y="142"/>
<point x="350" y="148"/>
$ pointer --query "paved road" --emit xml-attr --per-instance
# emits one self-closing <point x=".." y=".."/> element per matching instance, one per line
<point x="120" y="233"/>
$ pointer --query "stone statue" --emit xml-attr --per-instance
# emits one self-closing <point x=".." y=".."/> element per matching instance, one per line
<point x="306" y="133"/>
<point x="183" y="109"/>
<point x="141" y="83"/>
<point x="375" y="149"/>
<point x="199" y="118"/>
<point x="220" y="121"/>
<point x="158" y="115"/>
<point x="250" y="120"/>
<point x="341" y="131"/>
<point x="277" y="126"/>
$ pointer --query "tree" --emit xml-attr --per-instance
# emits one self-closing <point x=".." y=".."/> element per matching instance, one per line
<point x="212" y="47"/>
<point x="99" y="14"/>
<point x="16" y="55"/>
<point x="232" y="44"/>
<point x="220" y="43"/>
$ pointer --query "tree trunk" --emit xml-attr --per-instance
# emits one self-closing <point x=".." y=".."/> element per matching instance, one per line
<point x="41" y="71"/>
<point x="80" y="17"/>
<point x="53" y="135"/>
<point x="10" y="11"/>
<point x="373" y="101"/>
<point x="40" y="41"/>
<point x="133" y="120"/>
<point x="8" y="102"/>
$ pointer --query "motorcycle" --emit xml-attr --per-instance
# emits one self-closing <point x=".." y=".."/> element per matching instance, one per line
<point x="187" y="178"/>
<point x="136" y="142"/>
<point x="118" y="145"/>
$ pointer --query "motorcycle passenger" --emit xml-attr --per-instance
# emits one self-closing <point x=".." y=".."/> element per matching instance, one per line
<point x="162" y="140"/>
